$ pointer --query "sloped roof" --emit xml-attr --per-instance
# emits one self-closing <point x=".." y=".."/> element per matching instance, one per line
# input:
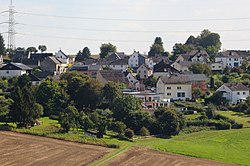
<point x="175" y="79"/>
<point x="196" y="77"/>
<point x="186" y="63"/>
<point x="114" y="75"/>
<point x="17" y="66"/>
<point x="164" y="67"/>
<point x="54" y="59"/>
<point x="236" y="86"/>
<point x="229" y="54"/>
<point x="119" y="62"/>
<point x="34" y="78"/>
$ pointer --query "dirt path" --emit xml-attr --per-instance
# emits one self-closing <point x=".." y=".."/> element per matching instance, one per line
<point x="21" y="149"/>
<point x="147" y="157"/>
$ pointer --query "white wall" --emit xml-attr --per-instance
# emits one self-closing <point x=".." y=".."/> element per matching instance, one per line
<point x="12" y="73"/>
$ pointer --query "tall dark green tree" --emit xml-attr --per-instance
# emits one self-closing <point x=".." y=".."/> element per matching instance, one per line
<point x="68" y="118"/>
<point x="5" y="104"/>
<point x="32" y="49"/>
<point x="106" y="48"/>
<point x="157" y="47"/>
<point x="169" y="121"/>
<point x="2" y="45"/>
<point x="81" y="55"/>
<point x="52" y="97"/>
<point x="110" y="92"/>
<point x="42" y="48"/>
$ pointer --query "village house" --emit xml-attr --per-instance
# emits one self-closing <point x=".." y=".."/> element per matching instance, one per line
<point x="90" y="70"/>
<point x="234" y="92"/>
<point x="136" y="60"/>
<point x="164" y="69"/>
<point x="62" y="57"/>
<point x="34" y="79"/>
<point x="144" y="72"/>
<point x="182" y="66"/>
<point x="53" y="65"/>
<point x="176" y="87"/>
<point x="104" y="76"/>
<point x="150" y="100"/>
<point x="230" y="59"/>
<point x="32" y="60"/>
<point x="119" y="64"/>
<point x="14" y="70"/>
<point x="198" y="81"/>
<point x="200" y="56"/>
<point x="216" y="66"/>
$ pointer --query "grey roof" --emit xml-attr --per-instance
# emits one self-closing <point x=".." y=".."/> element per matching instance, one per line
<point x="236" y="86"/>
<point x="119" y="62"/>
<point x="21" y="66"/>
<point x="186" y="63"/>
<point x="229" y="54"/>
<point x="54" y="59"/>
<point x="196" y="77"/>
<point x="114" y="75"/>
<point x="175" y="79"/>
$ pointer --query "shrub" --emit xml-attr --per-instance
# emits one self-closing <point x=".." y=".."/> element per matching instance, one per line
<point x="237" y="126"/>
<point x="144" y="131"/>
<point x="222" y="125"/>
<point x="129" y="133"/>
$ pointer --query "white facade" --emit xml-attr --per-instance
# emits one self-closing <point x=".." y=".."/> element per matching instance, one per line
<point x="233" y="96"/>
<point x="1" y="59"/>
<point x="144" y="72"/>
<point x="133" y="61"/>
<point x="122" y="68"/>
<point x="62" y="57"/>
<point x="174" y="91"/>
<point x="216" y="66"/>
<point x="229" y="61"/>
<point x="12" y="73"/>
<point x="150" y="63"/>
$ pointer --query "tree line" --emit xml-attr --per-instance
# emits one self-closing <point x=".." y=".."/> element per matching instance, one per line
<point x="80" y="102"/>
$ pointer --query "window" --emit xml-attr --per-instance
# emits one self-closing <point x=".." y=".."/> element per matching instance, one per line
<point x="144" y="71"/>
<point x="178" y="87"/>
<point x="219" y="66"/>
<point x="213" y="66"/>
<point x="181" y="94"/>
<point x="235" y="59"/>
<point x="149" y="99"/>
<point x="7" y="72"/>
<point x="244" y="93"/>
<point x="238" y="93"/>
<point x="168" y="87"/>
<point x="168" y="94"/>
<point x="229" y="59"/>
<point x="145" y="76"/>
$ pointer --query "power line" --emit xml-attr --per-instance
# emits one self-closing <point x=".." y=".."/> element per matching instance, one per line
<point x="111" y="40"/>
<point x="132" y="31"/>
<point x="136" y="20"/>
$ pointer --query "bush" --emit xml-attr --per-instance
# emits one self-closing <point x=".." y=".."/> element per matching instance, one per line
<point x="218" y="125"/>
<point x="222" y="125"/>
<point x="144" y="131"/>
<point x="237" y="126"/>
<point x="129" y="133"/>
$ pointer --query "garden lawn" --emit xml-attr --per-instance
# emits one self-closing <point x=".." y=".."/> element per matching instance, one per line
<point x="51" y="128"/>
<point x="229" y="146"/>
<point x="239" y="117"/>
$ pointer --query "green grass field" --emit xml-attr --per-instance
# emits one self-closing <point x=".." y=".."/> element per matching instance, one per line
<point x="230" y="146"/>
<point x="238" y="117"/>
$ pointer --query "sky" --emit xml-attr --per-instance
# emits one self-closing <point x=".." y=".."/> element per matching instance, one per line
<point x="130" y="25"/>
